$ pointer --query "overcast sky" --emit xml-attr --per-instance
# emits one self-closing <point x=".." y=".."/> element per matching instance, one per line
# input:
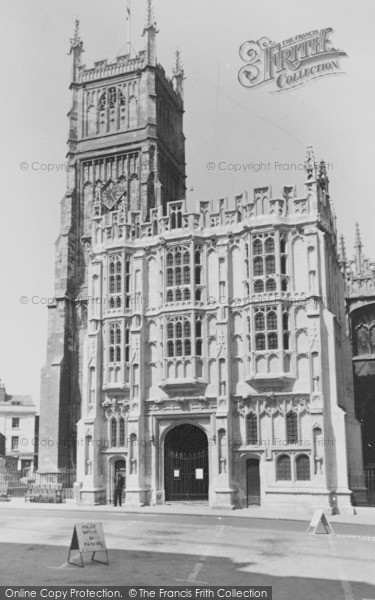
<point x="224" y="122"/>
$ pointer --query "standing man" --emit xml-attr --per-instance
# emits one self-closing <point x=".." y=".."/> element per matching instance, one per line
<point x="119" y="486"/>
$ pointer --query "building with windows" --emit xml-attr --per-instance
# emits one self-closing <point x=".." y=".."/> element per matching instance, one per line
<point x="17" y="430"/>
<point x="360" y="302"/>
<point x="201" y="350"/>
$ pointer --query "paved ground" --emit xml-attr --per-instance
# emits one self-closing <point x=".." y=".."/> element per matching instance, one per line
<point x="358" y="516"/>
<point x="155" y="549"/>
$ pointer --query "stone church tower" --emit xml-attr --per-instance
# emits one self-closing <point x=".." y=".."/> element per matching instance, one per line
<point x="203" y="352"/>
<point x="126" y="149"/>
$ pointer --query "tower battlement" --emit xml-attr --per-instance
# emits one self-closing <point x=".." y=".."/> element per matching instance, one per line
<point x="102" y="69"/>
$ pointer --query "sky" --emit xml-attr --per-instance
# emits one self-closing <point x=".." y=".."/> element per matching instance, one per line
<point x="224" y="123"/>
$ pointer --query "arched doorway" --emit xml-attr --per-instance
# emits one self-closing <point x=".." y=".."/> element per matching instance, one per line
<point x="253" y="481"/>
<point x="117" y="465"/>
<point x="186" y="463"/>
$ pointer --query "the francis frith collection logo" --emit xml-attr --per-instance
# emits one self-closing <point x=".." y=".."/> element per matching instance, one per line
<point x="290" y="63"/>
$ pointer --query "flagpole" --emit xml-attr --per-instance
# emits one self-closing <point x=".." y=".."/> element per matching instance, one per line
<point x="128" y="14"/>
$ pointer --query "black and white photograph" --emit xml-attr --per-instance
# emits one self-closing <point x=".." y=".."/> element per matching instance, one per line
<point x="187" y="318"/>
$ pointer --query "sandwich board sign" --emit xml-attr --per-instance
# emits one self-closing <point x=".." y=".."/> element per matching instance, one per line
<point x="319" y="517"/>
<point x="88" y="538"/>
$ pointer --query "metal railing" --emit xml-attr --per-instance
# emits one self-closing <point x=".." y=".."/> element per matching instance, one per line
<point x="19" y="481"/>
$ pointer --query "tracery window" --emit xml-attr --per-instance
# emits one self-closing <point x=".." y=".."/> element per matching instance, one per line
<point x="286" y="333"/>
<point x="127" y="280"/>
<point x="176" y="216"/>
<point x="283" y="257"/>
<point x="252" y="428"/>
<point x="292" y="428"/>
<point x="199" y="336"/>
<point x="115" y="281"/>
<point x="264" y="263"/>
<point x="115" y="343"/>
<point x="178" y="274"/>
<point x="127" y="342"/>
<point x="112" y="110"/>
<point x="113" y="432"/>
<point x="265" y="323"/>
<point x="179" y="337"/>
<point x="283" y="468"/>
<point x="122" y="432"/>
<point x="303" y="468"/>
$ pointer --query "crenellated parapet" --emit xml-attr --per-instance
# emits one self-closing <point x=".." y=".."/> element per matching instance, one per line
<point x="209" y="217"/>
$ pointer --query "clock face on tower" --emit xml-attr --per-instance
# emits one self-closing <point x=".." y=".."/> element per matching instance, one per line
<point x="111" y="194"/>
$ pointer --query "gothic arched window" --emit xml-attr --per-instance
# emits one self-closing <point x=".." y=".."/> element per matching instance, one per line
<point x="257" y="247"/>
<point x="179" y="337"/>
<point x="260" y="341"/>
<point x="115" y="280"/>
<point x="303" y="468"/>
<point x="258" y="266"/>
<point x="292" y="428"/>
<point x="259" y="321"/>
<point x="113" y="432"/>
<point x="252" y="428"/>
<point x="269" y="246"/>
<point x="271" y="320"/>
<point x="272" y="341"/>
<point x="122" y="432"/>
<point x="115" y="342"/>
<point x="112" y="110"/>
<point x="270" y="265"/>
<point x="283" y="468"/>
<point x="258" y="286"/>
<point x="270" y="285"/>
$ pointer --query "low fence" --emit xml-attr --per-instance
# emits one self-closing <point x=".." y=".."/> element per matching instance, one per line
<point x="18" y="481"/>
<point x="363" y="488"/>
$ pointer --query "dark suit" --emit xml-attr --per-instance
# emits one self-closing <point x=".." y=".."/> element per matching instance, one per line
<point x="119" y="486"/>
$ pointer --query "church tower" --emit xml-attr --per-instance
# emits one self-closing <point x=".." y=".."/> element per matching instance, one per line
<point x="126" y="156"/>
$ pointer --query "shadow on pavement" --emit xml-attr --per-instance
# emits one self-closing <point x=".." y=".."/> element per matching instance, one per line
<point x="33" y="564"/>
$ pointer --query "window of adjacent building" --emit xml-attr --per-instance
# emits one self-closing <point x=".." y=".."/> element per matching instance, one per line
<point x="292" y="428"/>
<point x="283" y="468"/>
<point x="265" y="324"/>
<point x="15" y="442"/>
<point x="252" y="428"/>
<point x="303" y="468"/>
<point x="15" y="422"/>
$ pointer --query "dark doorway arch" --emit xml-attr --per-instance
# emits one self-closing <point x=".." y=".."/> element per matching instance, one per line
<point x="186" y="463"/>
<point x="118" y="466"/>
<point x="253" y="481"/>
